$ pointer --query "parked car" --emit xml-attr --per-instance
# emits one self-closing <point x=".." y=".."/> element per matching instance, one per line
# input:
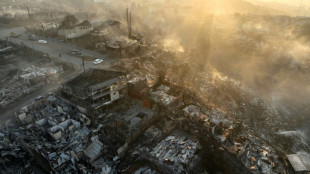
<point x="32" y="37"/>
<point x="76" y="52"/>
<point x="14" y="35"/>
<point x="98" y="61"/>
<point x="42" y="41"/>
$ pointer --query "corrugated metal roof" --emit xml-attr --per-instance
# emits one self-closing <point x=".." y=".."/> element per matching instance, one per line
<point x="297" y="163"/>
<point x="305" y="158"/>
<point x="94" y="150"/>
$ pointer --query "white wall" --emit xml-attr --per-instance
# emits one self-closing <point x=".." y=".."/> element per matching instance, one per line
<point x="114" y="95"/>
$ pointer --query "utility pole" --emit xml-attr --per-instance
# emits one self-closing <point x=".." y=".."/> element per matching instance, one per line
<point x="28" y="12"/>
<point x="7" y="41"/>
<point x="130" y="25"/>
<point x="128" y="15"/>
<point x="52" y="16"/>
<point x="32" y="49"/>
<point x="78" y="48"/>
<point x="83" y="64"/>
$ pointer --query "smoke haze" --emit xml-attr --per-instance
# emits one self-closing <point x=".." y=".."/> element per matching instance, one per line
<point x="266" y="48"/>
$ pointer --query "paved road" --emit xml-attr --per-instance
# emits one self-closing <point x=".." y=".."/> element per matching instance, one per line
<point x="53" y="48"/>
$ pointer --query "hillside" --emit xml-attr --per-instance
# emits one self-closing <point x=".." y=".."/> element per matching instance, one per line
<point x="293" y="10"/>
<point x="237" y="6"/>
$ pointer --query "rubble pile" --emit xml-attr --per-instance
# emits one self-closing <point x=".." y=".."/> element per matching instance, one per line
<point x="13" y="92"/>
<point x="153" y="134"/>
<point x="256" y="155"/>
<point x="145" y="170"/>
<point x="161" y="97"/>
<point x="14" y="157"/>
<point x="126" y="125"/>
<point x="208" y="88"/>
<point x="28" y="80"/>
<point x="259" y="157"/>
<point x="215" y="105"/>
<point x="112" y="44"/>
<point x="176" y="153"/>
<point x="33" y="74"/>
<point x="175" y="149"/>
<point x="44" y="72"/>
<point x="174" y="90"/>
<point x="51" y="131"/>
<point x="115" y="41"/>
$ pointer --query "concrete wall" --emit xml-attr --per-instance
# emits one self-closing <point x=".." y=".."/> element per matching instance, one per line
<point x="114" y="95"/>
<point x="75" y="32"/>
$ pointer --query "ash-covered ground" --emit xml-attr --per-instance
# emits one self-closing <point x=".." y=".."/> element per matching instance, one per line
<point x="153" y="87"/>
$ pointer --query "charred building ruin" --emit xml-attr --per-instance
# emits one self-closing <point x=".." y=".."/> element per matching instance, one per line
<point x="95" y="88"/>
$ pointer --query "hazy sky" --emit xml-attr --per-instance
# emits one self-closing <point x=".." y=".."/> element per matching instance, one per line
<point x="291" y="2"/>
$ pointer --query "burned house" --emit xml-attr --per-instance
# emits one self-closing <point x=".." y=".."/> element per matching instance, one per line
<point x="75" y="31"/>
<point x="109" y="28"/>
<point x="35" y="75"/>
<point x="95" y="88"/>
<point x="50" y="131"/>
